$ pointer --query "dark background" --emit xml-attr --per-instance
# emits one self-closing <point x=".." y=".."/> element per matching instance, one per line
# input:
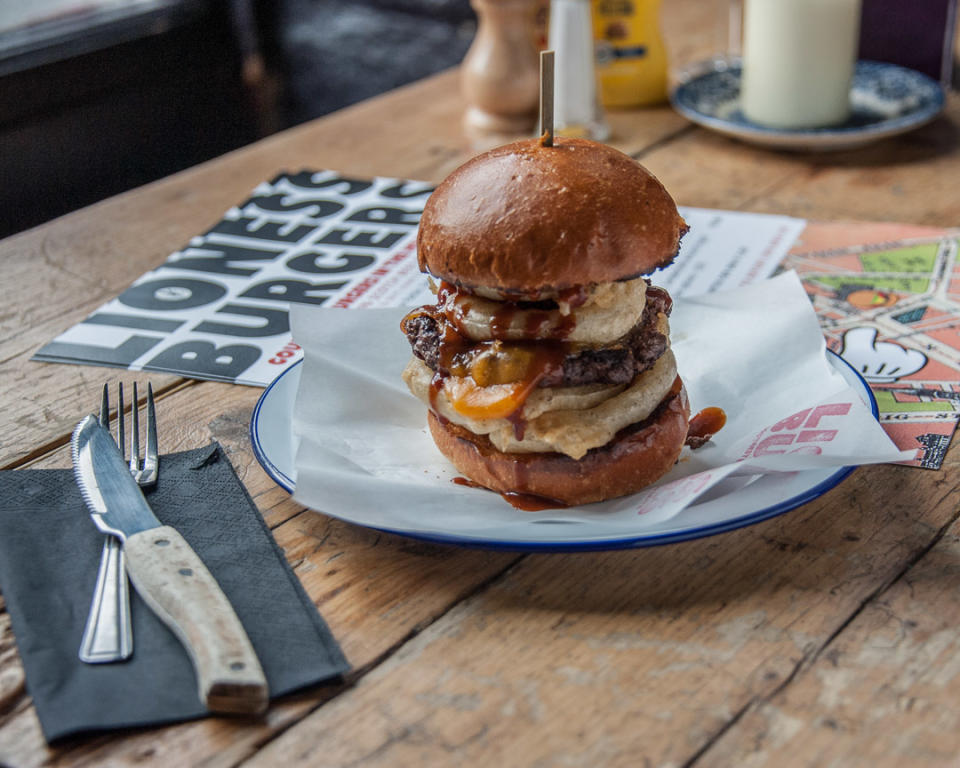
<point x="96" y="103"/>
<point x="93" y="106"/>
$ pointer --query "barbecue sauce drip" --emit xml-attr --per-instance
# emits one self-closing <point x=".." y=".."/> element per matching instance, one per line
<point x="518" y="423"/>
<point x="705" y="425"/>
<point x="526" y="502"/>
<point x="505" y="372"/>
<point x="574" y="297"/>
<point x="656" y="292"/>
<point x="540" y="317"/>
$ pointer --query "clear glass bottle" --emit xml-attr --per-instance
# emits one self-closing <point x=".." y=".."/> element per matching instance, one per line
<point x="577" y="110"/>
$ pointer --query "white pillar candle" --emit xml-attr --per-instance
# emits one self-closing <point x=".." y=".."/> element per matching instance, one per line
<point x="798" y="61"/>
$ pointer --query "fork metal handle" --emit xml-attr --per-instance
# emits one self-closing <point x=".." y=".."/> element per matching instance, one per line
<point x="108" y="634"/>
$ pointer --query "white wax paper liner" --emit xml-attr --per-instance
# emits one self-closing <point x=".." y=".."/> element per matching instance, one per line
<point x="757" y="352"/>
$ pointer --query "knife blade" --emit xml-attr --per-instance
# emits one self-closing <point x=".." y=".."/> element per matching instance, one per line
<point x="169" y="576"/>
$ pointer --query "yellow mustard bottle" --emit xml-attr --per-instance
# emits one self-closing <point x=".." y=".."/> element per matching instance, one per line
<point x="630" y="56"/>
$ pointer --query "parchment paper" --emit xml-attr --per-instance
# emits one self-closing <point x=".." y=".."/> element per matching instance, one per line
<point x="365" y="454"/>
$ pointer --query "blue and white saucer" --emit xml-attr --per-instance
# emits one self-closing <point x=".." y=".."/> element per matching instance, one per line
<point x="886" y="100"/>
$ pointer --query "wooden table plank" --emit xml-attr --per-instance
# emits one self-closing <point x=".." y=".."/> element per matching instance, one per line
<point x="882" y="693"/>
<point x="710" y="652"/>
<point x="628" y="658"/>
<point x="218" y="737"/>
<point x="908" y="179"/>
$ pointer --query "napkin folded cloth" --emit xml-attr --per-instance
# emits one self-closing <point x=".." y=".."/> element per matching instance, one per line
<point x="49" y="554"/>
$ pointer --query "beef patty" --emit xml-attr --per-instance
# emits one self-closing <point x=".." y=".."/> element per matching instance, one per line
<point x="616" y="363"/>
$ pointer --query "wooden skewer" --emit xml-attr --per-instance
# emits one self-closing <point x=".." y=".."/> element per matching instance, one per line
<point x="546" y="98"/>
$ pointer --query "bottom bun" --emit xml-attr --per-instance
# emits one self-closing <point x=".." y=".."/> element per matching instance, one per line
<point x="636" y="457"/>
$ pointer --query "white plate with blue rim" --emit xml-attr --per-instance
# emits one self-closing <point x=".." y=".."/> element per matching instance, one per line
<point x="885" y="100"/>
<point x="274" y="445"/>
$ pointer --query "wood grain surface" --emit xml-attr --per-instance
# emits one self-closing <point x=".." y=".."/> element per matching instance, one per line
<point x="828" y="636"/>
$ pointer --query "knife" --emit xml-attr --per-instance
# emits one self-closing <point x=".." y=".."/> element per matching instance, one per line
<point x="170" y="576"/>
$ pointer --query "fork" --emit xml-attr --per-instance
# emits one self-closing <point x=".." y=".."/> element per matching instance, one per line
<point x="108" y="635"/>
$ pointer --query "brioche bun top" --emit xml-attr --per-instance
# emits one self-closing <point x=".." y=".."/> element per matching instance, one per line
<point x="530" y="219"/>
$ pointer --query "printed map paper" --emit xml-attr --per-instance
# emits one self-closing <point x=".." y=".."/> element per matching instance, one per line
<point x="888" y="300"/>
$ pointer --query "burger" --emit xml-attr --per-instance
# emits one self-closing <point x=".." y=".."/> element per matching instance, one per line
<point x="545" y="362"/>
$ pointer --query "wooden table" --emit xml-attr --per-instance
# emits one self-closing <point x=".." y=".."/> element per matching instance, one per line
<point x="827" y="636"/>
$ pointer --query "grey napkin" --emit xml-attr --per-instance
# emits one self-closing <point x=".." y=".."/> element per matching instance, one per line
<point x="49" y="553"/>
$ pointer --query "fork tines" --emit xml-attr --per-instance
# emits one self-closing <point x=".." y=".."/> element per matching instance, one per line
<point x="147" y="474"/>
<point x="135" y="433"/>
<point x="151" y="459"/>
<point x="105" y="413"/>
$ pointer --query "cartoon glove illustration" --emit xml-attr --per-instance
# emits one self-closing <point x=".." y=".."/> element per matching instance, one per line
<point x="879" y="361"/>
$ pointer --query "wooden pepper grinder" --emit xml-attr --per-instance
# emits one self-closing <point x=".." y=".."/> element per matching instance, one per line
<point x="499" y="76"/>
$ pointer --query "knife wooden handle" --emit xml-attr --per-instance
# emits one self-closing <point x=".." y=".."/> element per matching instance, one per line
<point x="177" y="586"/>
